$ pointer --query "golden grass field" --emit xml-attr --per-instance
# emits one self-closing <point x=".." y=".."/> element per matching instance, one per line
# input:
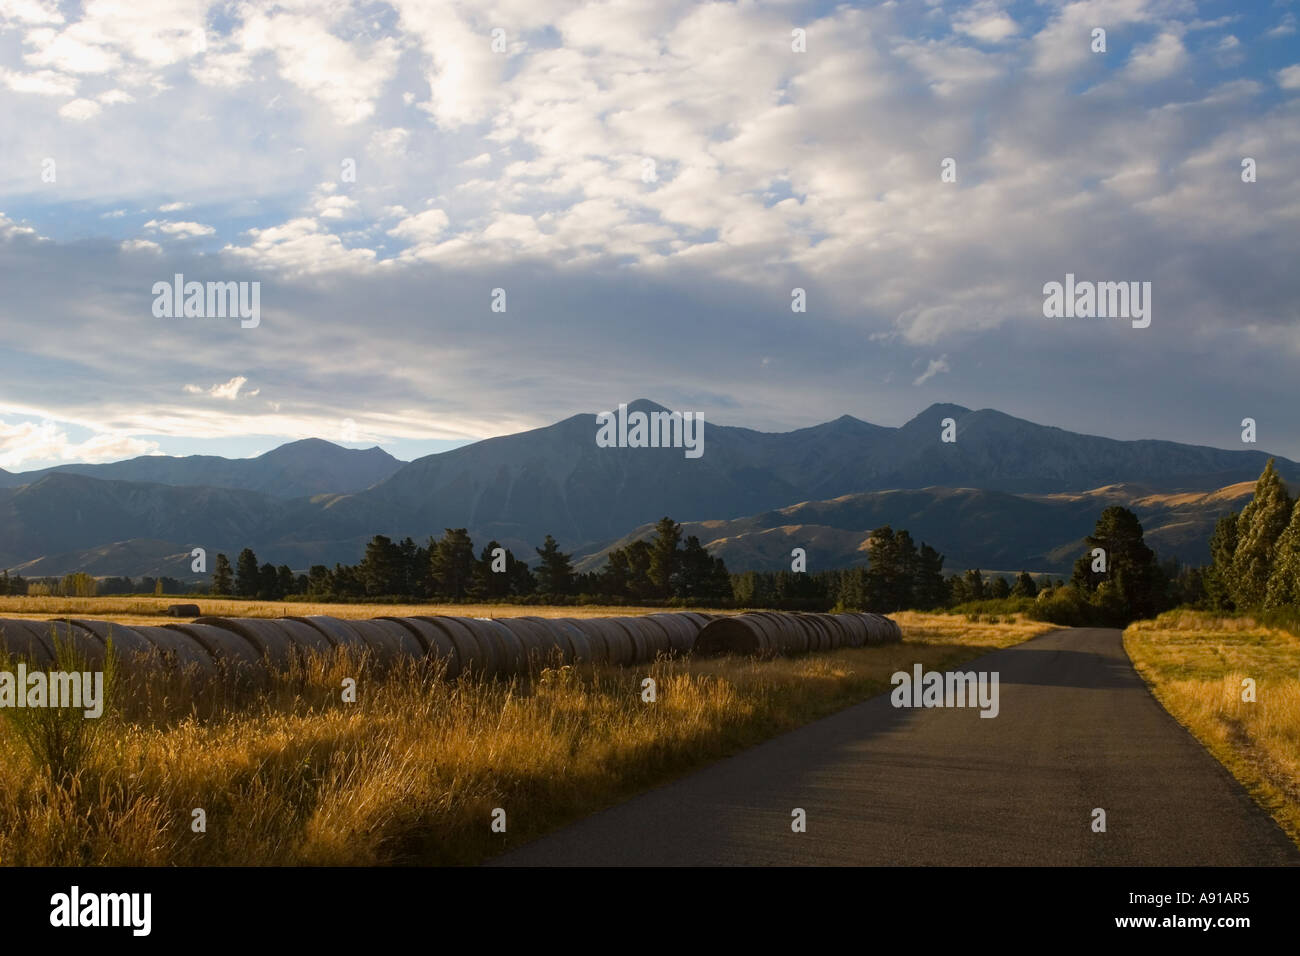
<point x="411" y="772"/>
<point x="1196" y="663"/>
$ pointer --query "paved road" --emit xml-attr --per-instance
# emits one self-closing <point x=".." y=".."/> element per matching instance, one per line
<point x="1077" y="730"/>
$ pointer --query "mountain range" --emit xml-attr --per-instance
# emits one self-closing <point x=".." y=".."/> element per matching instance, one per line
<point x="1007" y="494"/>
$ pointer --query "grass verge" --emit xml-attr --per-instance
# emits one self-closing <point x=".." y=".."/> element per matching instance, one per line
<point x="1196" y="665"/>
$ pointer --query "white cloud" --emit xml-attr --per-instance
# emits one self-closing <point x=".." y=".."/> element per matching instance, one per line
<point x="1286" y="27"/>
<point x="173" y="206"/>
<point x="1289" y="77"/>
<point x="986" y="21"/>
<point x="936" y="367"/>
<point x="80" y="110"/>
<point x="140" y="245"/>
<point x="421" y="228"/>
<point x="30" y="442"/>
<point x="42" y="82"/>
<point x="180" y="229"/>
<point x="226" y="390"/>
<point x="1162" y="57"/>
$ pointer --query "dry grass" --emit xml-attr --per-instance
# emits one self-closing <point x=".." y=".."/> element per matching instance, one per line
<point x="152" y="610"/>
<point x="412" y="772"/>
<point x="1196" y="663"/>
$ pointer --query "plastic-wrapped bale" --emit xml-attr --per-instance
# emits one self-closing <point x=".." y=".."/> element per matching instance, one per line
<point x="437" y="645"/>
<point x="681" y="631"/>
<point x="387" y="641"/>
<point x="336" y="631"/>
<point x="858" y="628"/>
<point x="557" y="637"/>
<point x="657" y="639"/>
<point x="127" y="644"/>
<point x="886" y="631"/>
<point x="493" y="655"/>
<point x="823" y="637"/>
<point x="640" y="644"/>
<point x="752" y="634"/>
<point x="274" y="639"/>
<point x="542" y="646"/>
<point x="576" y="644"/>
<point x="618" y="645"/>
<point x="469" y="639"/>
<point x="179" y="650"/>
<point x="511" y="651"/>
<point x="86" y="644"/>
<point x="591" y="646"/>
<point x="876" y="628"/>
<point x="235" y="654"/>
<point x="24" y="639"/>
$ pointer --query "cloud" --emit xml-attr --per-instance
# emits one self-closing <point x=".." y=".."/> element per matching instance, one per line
<point x="25" y="443"/>
<point x="227" y="390"/>
<point x="985" y="21"/>
<point x="181" y="229"/>
<point x="1289" y="77"/>
<point x="936" y="367"/>
<point x="1286" y="27"/>
<point x="80" y="110"/>
<point x="42" y="82"/>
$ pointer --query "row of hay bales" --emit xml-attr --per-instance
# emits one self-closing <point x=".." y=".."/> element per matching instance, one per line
<point x="219" y="646"/>
<point x="771" y="634"/>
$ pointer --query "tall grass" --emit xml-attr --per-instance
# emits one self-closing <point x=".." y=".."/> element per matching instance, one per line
<point x="410" y="773"/>
<point x="60" y="740"/>
<point x="1196" y="663"/>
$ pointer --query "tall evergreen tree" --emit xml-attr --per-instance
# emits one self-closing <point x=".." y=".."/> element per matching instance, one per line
<point x="285" y="582"/>
<point x="268" y="583"/>
<point x="1000" y="588"/>
<point x="1024" y="586"/>
<point x="1219" y="586"/>
<point x="1134" y="582"/>
<point x="451" y="564"/>
<point x="1260" y="525"/>
<point x="975" y="585"/>
<point x="223" y="577"/>
<point x="882" y="571"/>
<point x="247" y="575"/>
<point x="1284" y="577"/>
<point x="664" y="556"/>
<point x="382" y="569"/>
<point x="555" y="572"/>
<point x="929" y="590"/>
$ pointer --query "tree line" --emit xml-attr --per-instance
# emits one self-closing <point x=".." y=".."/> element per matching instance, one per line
<point x="662" y="568"/>
<point x="1255" y="553"/>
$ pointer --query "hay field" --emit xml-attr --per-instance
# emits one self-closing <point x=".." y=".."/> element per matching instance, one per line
<point x="152" y="610"/>
<point x="1195" y="664"/>
<point x="411" y="772"/>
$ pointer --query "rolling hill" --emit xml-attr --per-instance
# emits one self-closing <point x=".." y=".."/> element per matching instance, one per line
<point x="1007" y="493"/>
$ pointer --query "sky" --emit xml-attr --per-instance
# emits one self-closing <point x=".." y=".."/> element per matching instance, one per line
<point x="647" y="183"/>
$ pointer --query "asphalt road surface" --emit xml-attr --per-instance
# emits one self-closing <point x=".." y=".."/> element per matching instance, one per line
<point x="1077" y="730"/>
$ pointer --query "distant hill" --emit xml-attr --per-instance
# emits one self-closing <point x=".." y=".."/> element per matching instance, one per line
<point x="986" y="529"/>
<point x="1007" y="493"/>
<point x="308" y="467"/>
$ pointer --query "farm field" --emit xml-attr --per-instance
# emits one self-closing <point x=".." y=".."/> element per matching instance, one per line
<point x="132" y="609"/>
<point x="1196" y="664"/>
<point x="412" y="772"/>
